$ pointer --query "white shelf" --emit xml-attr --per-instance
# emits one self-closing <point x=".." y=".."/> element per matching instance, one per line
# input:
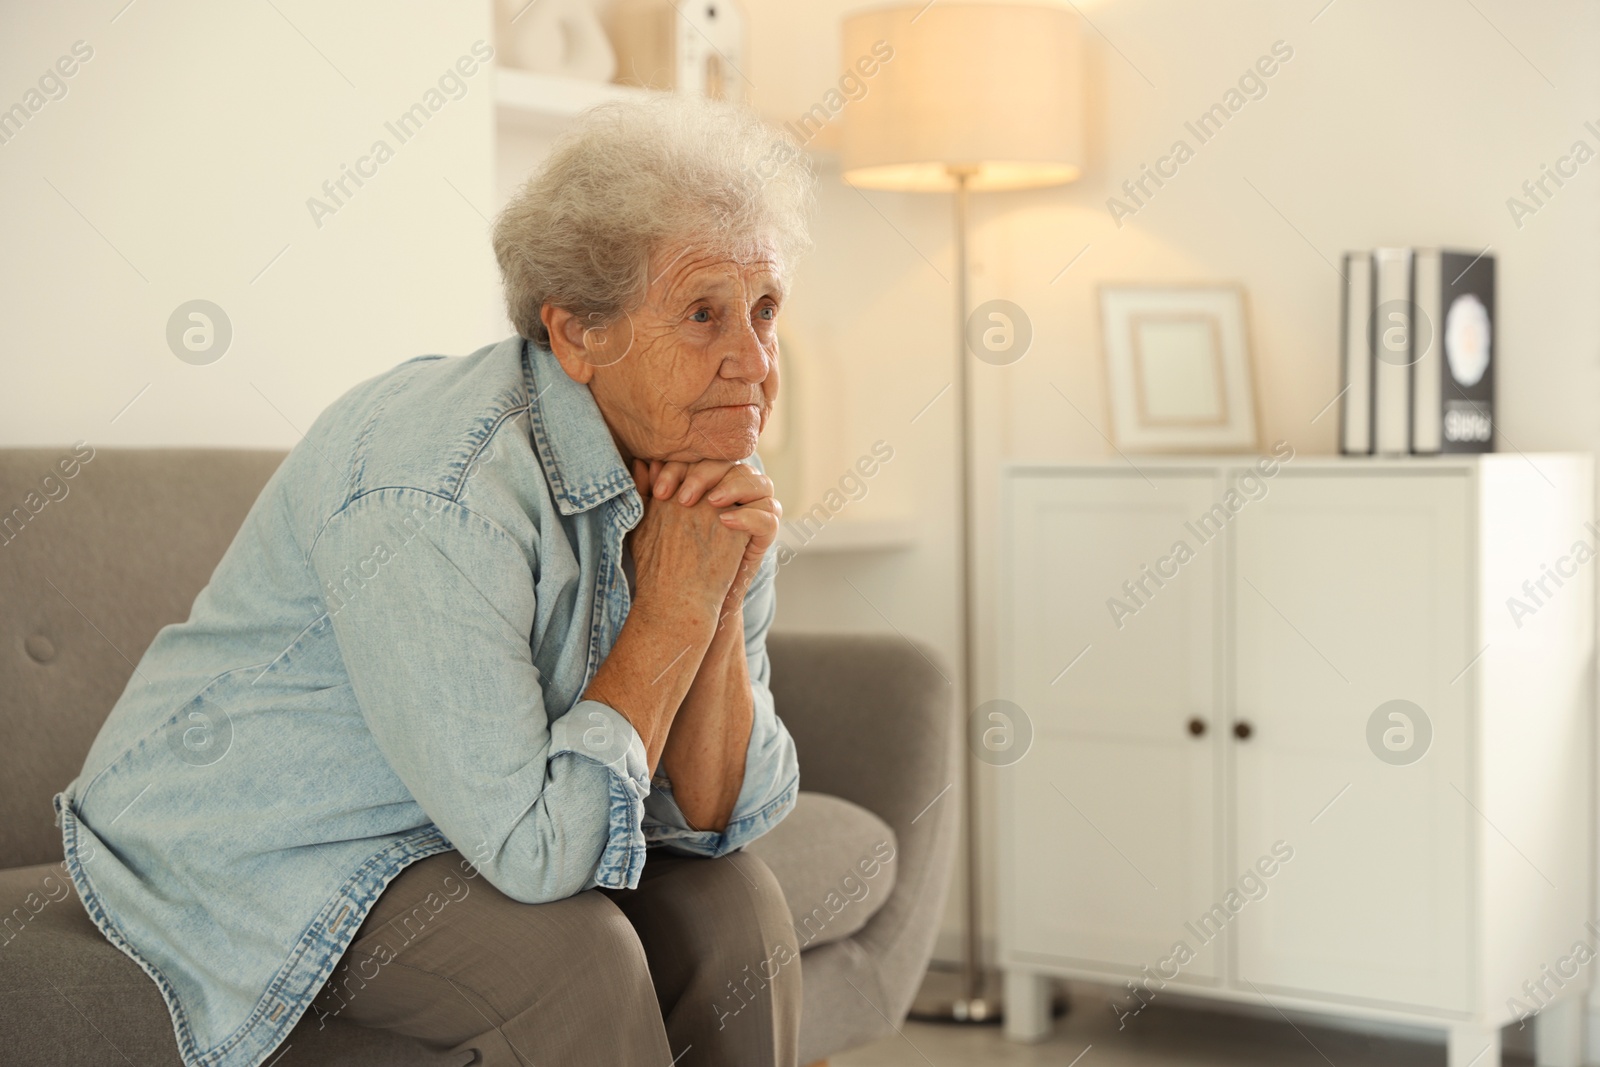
<point x="847" y="535"/>
<point x="523" y="98"/>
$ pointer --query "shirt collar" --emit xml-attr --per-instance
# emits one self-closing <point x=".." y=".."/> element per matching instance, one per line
<point x="580" y="459"/>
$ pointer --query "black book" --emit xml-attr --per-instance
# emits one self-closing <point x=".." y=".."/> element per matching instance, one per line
<point x="1453" y="352"/>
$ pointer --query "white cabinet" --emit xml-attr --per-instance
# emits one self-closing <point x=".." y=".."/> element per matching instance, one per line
<point x="1129" y="798"/>
<point x="1301" y="736"/>
<point x="1349" y="591"/>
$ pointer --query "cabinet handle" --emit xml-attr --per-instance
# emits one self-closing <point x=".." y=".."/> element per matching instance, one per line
<point x="1197" y="727"/>
<point x="1242" y="730"/>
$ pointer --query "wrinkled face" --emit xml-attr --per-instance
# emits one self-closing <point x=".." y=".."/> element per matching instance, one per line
<point x="693" y="373"/>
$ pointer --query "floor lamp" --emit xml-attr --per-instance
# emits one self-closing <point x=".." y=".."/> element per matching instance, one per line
<point x="964" y="98"/>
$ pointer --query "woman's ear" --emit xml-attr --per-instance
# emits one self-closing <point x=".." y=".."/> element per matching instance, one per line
<point x="581" y="345"/>
<point x="568" y="342"/>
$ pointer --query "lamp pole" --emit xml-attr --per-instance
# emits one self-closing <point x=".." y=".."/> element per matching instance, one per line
<point x="980" y="96"/>
<point x="972" y="1006"/>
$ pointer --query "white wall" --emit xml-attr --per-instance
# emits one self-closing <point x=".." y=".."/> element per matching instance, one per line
<point x="1392" y="124"/>
<point x="178" y="167"/>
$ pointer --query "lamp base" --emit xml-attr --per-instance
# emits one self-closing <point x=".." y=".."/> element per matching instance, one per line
<point x="943" y="998"/>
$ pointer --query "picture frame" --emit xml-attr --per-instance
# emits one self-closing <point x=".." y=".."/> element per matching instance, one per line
<point x="1179" y="376"/>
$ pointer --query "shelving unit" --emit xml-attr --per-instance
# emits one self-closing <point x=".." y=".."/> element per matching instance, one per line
<point x="863" y="535"/>
<point x="524" y="99"/>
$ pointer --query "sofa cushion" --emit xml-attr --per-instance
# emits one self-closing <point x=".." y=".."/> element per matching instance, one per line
<point x="87" y="582"/>
<point x="67" y="995"/>
<point x="835" y="862"/>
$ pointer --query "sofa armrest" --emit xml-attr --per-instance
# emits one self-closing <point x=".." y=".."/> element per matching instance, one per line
<point x="870" y="718"/>
<point x="872" y="723"/>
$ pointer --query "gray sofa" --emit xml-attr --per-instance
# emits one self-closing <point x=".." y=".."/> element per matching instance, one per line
<point x="93" y="565"/>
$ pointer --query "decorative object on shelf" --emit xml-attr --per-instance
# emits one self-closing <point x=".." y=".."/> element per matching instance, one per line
<point x="978" y="97"/>
<point x="1178" y="368"/>
<point x="1418" y="352"/>
<point x="783" y="441"/>
<point x="812" y="505"/>
<point x="562" y="37"/>
<point x="696" y="47"/>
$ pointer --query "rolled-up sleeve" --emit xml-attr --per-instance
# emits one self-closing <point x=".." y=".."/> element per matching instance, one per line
<point x="432" y="605"/>
<point x="771" y="770"/>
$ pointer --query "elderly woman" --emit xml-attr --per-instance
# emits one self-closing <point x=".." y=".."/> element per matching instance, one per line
<point x="464" y="736"/>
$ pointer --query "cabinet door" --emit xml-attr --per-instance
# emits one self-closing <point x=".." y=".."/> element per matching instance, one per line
<point x="1350" y="591"/>
<point x="1109" y="824"/>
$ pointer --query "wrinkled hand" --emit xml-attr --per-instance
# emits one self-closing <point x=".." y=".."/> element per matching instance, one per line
<point x="743" y="494"/>
<point x="686" y="556"/>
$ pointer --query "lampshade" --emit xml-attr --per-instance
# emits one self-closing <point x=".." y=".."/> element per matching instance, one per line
<point x="992" y="89"/>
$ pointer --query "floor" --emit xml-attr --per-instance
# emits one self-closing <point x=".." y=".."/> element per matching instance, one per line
<point x="1088" y="1036"/>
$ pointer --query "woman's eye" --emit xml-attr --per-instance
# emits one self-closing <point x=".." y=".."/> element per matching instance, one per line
<point x="702" y="315"/>
<point x="769" y="312"/>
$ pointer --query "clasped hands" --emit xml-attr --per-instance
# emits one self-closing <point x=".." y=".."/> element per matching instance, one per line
<point x="677" y="671"/>
<point x="706" y="527"/>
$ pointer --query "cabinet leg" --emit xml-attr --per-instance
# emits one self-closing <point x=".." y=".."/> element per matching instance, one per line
<point x="1027" y="1005"/>
<point x="1470" y="1045"/>
<point x="1558" y="1033"/>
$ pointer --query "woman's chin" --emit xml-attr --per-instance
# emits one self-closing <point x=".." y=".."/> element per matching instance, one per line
<point x="729" y="438"/>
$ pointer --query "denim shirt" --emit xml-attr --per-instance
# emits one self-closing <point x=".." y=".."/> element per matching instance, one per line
<point x="387" y="664"/>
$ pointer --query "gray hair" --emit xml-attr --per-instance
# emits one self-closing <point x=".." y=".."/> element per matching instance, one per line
<point x="632" y="178"/>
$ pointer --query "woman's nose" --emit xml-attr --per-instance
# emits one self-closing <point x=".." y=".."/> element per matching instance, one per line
<point x="744" y="357"/>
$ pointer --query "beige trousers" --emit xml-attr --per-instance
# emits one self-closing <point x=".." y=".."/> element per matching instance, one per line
<point x="697" y="966"/>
